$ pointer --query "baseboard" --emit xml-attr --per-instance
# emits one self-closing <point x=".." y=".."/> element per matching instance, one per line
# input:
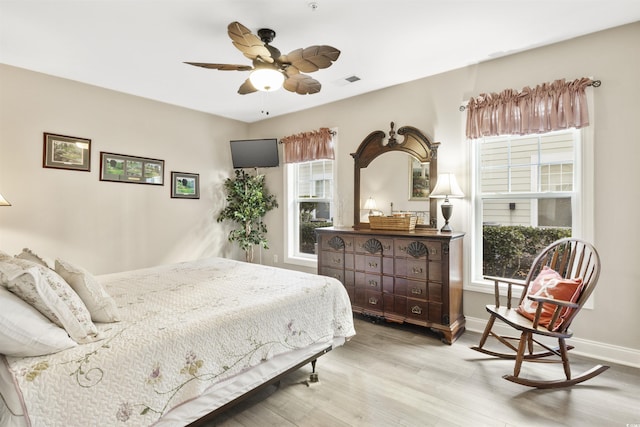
<point x="596" y="350"/>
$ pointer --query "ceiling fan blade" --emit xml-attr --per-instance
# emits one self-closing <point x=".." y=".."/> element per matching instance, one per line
<point x="246" y="88"/>
<point x="302" y="84"/>
<point x="312" y="58"/>
<point x="248" y="43"/>
<point x="222" y="67"/>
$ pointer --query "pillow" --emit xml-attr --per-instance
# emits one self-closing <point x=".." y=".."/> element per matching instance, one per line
<point x="101" y="306"/>
<point x="24" y="331"/>
<point x="8" y="270"/>
<point x="550" y="284"/>
<point x="29" y="255"/>
<point x="4" y="255"/>
<point x="48" y="293"/>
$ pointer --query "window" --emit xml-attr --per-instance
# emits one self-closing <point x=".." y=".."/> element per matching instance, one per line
<point x="528" y="191"/>
<point x="310" y="189"/>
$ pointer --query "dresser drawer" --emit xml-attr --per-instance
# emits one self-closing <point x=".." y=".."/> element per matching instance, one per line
<point x="345" y="277"/>
<point x="410" y="248"/>
<point x="332" y="272"/>
<point x="374" y="264"/>
<point x="417" y="290"/>
<point x="369" y="281"/>
<point x="375" y="245"/>
<point x="336" y="259"/>
<point x="368" y="300"/>
<point x="417" y="310"/>
<point x="411" y="268"/>
<point x="418" y="249"/>
<point x="417" y="269"/>
<point x="336" y="242"/>
<point x="373" y="300"/>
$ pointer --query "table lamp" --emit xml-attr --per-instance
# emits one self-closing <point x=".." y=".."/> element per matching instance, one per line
<point x="446" y="187"/>
<point x="3" y="201"/>
<point x="371" y="205"/>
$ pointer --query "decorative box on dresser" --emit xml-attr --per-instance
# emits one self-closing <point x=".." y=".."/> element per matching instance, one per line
<point x="401" y="276"/>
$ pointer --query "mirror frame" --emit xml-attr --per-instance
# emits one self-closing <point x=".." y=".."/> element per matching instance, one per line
<point x="415" y="143"/>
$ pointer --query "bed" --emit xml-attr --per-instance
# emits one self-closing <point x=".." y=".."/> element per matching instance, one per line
<point x="190" y="338"/>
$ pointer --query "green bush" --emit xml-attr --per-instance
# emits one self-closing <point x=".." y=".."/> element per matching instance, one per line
<point x="308" y="235"/>
<point x="509" y="250"/>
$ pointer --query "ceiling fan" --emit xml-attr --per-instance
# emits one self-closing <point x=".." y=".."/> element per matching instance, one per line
<point x="272" y="70"/>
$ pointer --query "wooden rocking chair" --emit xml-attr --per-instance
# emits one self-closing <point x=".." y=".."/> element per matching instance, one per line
<point x="567" y="267"/>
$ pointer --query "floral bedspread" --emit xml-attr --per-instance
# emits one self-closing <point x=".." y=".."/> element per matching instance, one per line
<point x="185" y="327"/>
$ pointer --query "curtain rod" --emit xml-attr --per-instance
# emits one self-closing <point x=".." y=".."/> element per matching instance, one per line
<point x="594" y="83"/>
<point x="332" y="132"/>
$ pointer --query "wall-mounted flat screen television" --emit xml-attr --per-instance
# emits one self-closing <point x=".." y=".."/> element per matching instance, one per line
<point x="254" y="153"/>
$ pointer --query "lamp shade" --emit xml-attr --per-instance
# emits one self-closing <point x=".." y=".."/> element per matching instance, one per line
<point x="266" y="79"/>
<point x="446" y="186"/>
<point x="370" y="204"/>
<point x="3" y="201"/>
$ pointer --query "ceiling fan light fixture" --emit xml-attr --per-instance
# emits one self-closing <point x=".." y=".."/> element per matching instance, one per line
<point x="271" y="70"/>
<point x="266" y="79"/>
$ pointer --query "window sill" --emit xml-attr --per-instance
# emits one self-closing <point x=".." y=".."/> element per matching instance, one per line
<point x="480" y="287"/>
<point x="302" y="262"/>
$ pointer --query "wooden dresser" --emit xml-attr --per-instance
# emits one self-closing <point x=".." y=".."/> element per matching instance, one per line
<point x="401" y="276"/>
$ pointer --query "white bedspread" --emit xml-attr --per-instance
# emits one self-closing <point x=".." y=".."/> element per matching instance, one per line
<point x="185" y="327"/>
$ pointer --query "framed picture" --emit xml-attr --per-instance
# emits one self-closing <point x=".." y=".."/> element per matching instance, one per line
<point x="66" y="152"/>
<point x="137" y="170"/>
<point x="185" y="185"/>
<point x="419" y="186"/>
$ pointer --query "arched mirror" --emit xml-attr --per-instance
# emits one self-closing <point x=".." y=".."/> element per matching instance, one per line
<point x="399" y="181"/>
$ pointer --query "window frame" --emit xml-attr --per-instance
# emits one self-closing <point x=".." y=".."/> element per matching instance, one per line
<point x="292" y="217"/>
<point x="582" y="202"/>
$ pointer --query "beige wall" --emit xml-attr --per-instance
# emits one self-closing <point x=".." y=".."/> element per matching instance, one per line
<point x="431" y="104"/>
<point x="110" y="227"/>
<point x="107" y="226"/>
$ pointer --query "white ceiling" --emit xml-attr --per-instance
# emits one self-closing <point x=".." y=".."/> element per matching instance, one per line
<point x="138" y="46"/>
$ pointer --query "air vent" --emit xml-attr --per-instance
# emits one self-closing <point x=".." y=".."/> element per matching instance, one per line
<point x="352" y="79"/>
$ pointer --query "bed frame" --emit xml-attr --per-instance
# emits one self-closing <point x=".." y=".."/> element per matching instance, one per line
<point x="313" y="378"/>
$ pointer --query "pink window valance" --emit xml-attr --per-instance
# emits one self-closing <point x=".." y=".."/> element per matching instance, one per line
<point x="547" y="107"/>
<point x="307" y="146"/>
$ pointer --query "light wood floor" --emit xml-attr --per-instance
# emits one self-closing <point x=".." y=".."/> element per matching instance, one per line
<point x="390" y="375"/>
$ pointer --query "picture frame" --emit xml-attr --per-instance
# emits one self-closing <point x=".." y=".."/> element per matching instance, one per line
<point x="419" y="179"/>
<point x="66" y="152"/>
<point x="131" y="169"/>
<point x="185" y="185"/>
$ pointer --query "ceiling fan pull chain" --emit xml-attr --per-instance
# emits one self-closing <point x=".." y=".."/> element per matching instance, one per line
<point x="264" y="109"/>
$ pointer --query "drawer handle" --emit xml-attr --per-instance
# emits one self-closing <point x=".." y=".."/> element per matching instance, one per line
<point x="416" y="291"/>
<point x="337" y="261"/>
<point x="417" y="270"/>
<point x="402" y="248"/>
<point x="373" y="301"/>
<point x="373" y="264"/>
<point x="338" y="276"/>
<point x="373" y="283"/>
<point x="386" y="247"/>
<point x="416" y="310"/>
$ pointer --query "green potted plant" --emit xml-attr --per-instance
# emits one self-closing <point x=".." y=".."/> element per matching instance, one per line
<point x="247" y="203"/>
